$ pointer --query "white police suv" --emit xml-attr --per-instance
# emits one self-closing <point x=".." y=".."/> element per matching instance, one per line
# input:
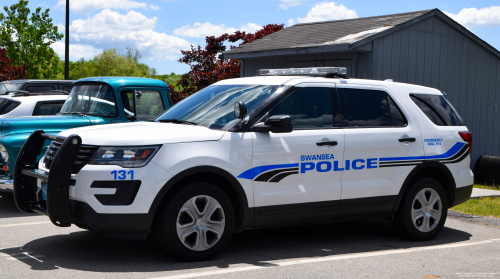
<point x="276" y="150"/>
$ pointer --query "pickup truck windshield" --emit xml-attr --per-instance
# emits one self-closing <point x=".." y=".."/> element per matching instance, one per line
<point x="213" y="106"/>
<point x="92" y="99"/>
<point x="9" y="87"/>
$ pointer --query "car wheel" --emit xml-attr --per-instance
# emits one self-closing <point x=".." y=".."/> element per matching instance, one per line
<point x="195" y="223"/>
<point x="423" y="210"/>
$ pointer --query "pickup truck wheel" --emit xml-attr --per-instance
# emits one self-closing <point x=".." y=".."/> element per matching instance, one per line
<point x="423" y="210"/>
<point x="195" y="223"/>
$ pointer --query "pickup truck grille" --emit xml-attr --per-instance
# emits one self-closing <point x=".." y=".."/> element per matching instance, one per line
<point x="84" y="155"/>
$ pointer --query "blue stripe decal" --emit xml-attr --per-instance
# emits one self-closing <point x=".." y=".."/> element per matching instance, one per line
<point x="446" y="155"/>
<point x="252" y="173"/>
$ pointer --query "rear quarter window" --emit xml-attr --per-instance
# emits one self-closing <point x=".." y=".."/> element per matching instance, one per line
<point x="437" y="109"/>
<point x="8" y="105"/>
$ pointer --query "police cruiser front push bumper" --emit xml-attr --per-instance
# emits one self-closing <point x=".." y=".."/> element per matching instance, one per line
<point x="28" y="196"/>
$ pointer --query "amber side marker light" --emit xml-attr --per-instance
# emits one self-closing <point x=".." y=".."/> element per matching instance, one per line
<point x="467" y="136"/>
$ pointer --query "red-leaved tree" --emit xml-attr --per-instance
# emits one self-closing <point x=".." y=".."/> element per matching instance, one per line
<point x="10" y="72"/>
<point x="207" y="68"/>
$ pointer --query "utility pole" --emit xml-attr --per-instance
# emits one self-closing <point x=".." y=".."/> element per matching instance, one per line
<point x="66" y="45"/>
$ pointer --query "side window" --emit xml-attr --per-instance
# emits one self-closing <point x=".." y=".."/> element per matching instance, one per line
<point x="437" y="109"/>
<point x="148" y="104"/>
<point x="67" y="88"/>
<point x="369" y="108"/>
<point x="309" y="108"/>
<point x="8" y="105"/>
<point x="38" y="89"/>
<point x="48" y="108"/>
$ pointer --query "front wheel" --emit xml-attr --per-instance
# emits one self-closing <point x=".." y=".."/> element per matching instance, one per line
<point x="423" y="210"/>
<point x="195" y="223"/>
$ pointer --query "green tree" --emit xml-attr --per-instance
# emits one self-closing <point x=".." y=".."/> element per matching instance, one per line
<point x="28" y="37"/>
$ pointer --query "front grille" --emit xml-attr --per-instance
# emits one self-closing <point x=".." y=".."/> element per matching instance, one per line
<point x="84" y="155"/>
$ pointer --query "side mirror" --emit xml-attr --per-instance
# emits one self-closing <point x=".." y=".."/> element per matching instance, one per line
<point x="275" y="124"/>
<point x="240" y="110"/>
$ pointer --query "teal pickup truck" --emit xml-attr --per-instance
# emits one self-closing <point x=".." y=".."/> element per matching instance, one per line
<point x="92" y="101"/>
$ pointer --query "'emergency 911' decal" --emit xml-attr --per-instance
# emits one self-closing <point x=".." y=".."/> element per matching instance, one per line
<point x="327" y="163"/>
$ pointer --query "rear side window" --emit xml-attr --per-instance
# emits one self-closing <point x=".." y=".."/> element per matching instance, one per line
<point x="8" y="105"/>
<point x="67" y="88"/>
<point x="369" y="108"/>
<point x="437" y="109"/>
<point x="48" y="108"/>
<point x="38" y="89"/>
<point x="309" y="108"/>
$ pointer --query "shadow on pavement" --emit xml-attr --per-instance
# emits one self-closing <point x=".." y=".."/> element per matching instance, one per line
<point x="8" y="208"/>
<point x="89" y="251"/>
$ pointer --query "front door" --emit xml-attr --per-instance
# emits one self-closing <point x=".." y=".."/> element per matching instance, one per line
<point x="296" y="176"/>
<point x="375" y="129"/>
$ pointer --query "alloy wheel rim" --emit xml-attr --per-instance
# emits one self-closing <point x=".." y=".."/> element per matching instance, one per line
<point x="426" y="210"/>
<point x="200" y="223"/>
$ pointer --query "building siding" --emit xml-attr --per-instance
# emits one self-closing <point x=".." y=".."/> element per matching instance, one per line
<point x="429" y="53"/>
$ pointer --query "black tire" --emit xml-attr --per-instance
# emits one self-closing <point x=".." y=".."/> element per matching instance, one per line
<point x="403" y="223"/>
<point x="165" y="229"/>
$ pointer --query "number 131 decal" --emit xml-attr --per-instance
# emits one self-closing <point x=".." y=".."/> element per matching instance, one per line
<point x="122" y="175"/>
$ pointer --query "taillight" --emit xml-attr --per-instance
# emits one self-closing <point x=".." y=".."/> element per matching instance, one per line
<point x="467" y="136"/>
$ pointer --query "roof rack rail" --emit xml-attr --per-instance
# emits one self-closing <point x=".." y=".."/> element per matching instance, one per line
<point x="18" y="93"/>
<point x="328" y="72"/>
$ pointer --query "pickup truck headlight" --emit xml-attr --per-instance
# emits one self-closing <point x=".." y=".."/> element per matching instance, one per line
<point x="4" y="153"/>
<point x="125" y="156"/>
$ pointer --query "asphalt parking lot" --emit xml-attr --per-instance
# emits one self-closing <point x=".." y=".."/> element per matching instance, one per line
<point x="31" y="247"/>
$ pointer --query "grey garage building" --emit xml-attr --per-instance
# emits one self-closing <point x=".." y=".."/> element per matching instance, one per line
<point x="425" y="48"/>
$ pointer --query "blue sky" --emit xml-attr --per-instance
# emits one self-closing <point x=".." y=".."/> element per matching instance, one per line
<point x="161" y="28"/>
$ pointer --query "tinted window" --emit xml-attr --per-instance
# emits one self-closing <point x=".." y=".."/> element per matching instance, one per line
<point x="148" y="104"/>
<point x="9" y="87"/>
<point x="48" y="108"/>
<point x="369" y="108"/>
<point x="309" y="108"/>
<point x="37" y="89"/>
<point x="8" y="105"/>
<point x="67" y="88"/>
<point x="438" y="109"/>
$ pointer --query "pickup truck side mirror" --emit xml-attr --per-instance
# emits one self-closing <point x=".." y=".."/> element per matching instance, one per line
<point x="275" y="124"/>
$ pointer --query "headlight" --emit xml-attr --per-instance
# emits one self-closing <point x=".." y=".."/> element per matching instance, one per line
<point x="125" y="156"/>
<point x="4" y="154"/>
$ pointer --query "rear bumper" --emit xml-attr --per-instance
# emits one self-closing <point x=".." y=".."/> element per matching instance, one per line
<point x="462" y="195"/>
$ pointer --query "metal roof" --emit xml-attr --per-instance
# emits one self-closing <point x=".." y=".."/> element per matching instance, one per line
<point x="117" y="82"/>
<point x="338" y="35"/>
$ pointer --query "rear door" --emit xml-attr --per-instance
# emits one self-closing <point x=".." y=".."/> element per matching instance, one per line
<point x="296" y="178"/>
<point x="375" y="129"/>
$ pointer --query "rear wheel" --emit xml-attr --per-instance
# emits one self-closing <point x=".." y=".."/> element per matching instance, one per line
<point x="195" y="223"/>
<point x="423" y="210"/>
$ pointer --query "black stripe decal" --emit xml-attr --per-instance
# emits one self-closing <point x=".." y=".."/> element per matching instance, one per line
<point x="280" y="176"/>
<point x="459" y="159"/>
<point x="399" y="162"/>
<point x="268" y="175"/>
<point x="399" y="165"/>
<point x="458" y="155"/>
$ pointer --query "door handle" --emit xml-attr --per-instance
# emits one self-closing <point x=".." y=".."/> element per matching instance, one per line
<point x="407" y="139"/>
<point x="323" y="143"/>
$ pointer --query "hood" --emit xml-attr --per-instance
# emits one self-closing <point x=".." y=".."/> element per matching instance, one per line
<point x="143" y="133"/>
<point x="50" y="124"/>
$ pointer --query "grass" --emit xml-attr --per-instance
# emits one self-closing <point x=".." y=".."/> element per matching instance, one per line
<point x="486" y="206"/>
<point x="493" y="187"/>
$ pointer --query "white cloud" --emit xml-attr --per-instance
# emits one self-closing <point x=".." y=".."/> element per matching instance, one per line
<point x="324" y="11"/>
<point x="285" y="4"/>
<point x="110" y="29"/>
<point x="208" y="29"/>
<point x="472" y="17"/>
<point x="86" y="7"/>
<point x="76" y="51"/>
<point x="154" y="7"/>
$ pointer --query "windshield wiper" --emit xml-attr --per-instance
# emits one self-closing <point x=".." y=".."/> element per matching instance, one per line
<point x="177" y="121"/>
<point x="73" y="112"/>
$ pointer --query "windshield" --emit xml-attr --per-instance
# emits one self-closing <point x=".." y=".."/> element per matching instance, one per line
<point x="213" y="106"/>
<point x="96" y="99"/>
<point x="9" y="87"/>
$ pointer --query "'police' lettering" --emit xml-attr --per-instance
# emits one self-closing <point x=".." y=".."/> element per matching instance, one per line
<point x="356" y="167"/>
<point x="306" y="166"/>
<point x="336" y="166"/>
<point x="328" y="165"/>
<point x="371" y="163"/>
